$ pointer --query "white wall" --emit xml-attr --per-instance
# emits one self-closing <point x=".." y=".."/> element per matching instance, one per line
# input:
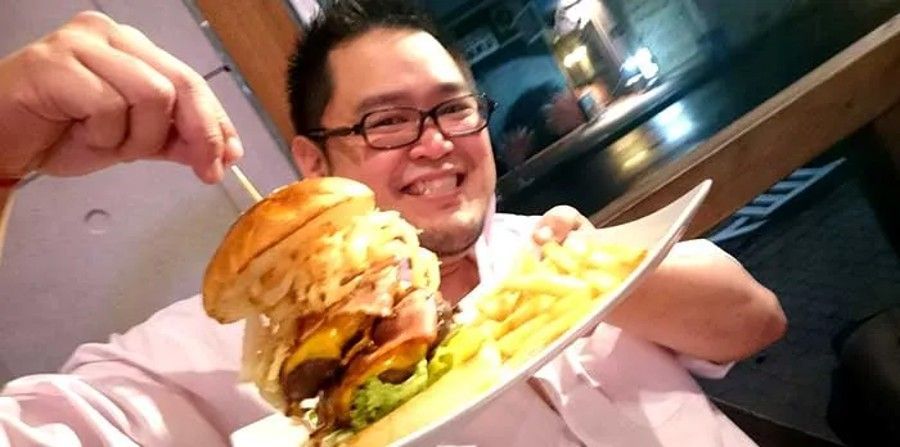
<point x="63" y="280"/>
<point x="23" y="21"/>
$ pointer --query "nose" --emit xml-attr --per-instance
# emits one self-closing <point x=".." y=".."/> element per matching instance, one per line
<point x="432" y="144"/>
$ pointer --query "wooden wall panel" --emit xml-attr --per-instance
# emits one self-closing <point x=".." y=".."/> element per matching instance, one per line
<point x="259" y="36"/>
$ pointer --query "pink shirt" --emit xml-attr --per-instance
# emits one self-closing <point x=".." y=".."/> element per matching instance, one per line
<point x="172" y="381"/>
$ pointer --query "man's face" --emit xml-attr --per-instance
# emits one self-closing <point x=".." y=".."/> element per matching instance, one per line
<point x="441" y="185"/>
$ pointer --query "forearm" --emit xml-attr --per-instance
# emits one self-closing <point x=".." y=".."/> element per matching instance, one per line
<point x="702" y="303"/>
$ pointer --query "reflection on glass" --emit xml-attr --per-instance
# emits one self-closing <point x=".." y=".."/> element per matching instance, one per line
<point x="578" y="56"/>
<point x="634" y="150"/>
<point x="555" y="65"/>
<point x="635" y="160"/>
<point x="673" y="123"/>
<point x="640" y="66"/>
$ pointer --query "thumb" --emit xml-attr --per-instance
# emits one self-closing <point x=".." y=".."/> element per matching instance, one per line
<point x="234" y="149"/>
<point x="543" y="234"/>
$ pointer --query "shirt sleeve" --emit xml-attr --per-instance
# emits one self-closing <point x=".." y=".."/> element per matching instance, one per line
<point x="704" y="368"/>
<point x="171" y="381"/>
<point x="118" y="406"/>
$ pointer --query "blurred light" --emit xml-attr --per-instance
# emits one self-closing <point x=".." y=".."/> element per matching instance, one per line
<point x="632" y="80"/>
<point x="640" y="62"/>
<point x="571" y="14"/>
<point x="673" y="123"/>
<point x="575" y="56"/>
<point x="634" y="160"/>
<point x="635" y="150"/>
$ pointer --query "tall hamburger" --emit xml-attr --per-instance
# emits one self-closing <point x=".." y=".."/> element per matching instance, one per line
<point x="341" y="304"/>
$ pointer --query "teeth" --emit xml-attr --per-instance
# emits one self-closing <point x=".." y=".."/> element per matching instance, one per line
<point x="441" y="185"/>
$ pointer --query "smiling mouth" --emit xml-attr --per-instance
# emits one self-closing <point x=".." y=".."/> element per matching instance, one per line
<point x="435" y="187"/>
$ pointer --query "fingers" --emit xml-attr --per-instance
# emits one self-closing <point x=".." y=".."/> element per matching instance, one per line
<point x="92" y="110"/>
<point x="51" y="101"/>
<point x="149" y="98"/>
<point x="203" y="128"/>
<point x="557" y="223"/>
<point x="234" y="150"/>
<point x="196" y="131"/>
<point x="94" y="93"/>
<point x="98" y="107"/>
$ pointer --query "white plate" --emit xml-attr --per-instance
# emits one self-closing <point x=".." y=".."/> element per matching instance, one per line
<point x="656" y="233"/>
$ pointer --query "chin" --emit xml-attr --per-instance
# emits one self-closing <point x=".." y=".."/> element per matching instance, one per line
<point x="452" y="235"/>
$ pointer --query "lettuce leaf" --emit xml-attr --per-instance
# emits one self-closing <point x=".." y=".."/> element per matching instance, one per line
<point x="375" y="399"/>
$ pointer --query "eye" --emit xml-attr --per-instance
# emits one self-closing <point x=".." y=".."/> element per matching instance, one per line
<point x="387" y="119"/>
<point x="457" y="107"/>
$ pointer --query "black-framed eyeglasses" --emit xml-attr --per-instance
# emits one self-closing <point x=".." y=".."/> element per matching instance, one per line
<point x="396" y="127"/>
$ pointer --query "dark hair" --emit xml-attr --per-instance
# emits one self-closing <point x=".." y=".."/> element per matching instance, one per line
<point x="308" y="79"/>
<point x="527" y="111"/>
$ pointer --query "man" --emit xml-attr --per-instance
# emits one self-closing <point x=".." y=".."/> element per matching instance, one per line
<point x="371" y="89"/>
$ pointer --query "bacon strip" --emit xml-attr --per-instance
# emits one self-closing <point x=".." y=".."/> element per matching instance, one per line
<point x="411" y="330"/>
<point x="415" y="317"/>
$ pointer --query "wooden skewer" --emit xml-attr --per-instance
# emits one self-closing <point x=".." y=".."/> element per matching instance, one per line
<point x="6" y="202"/>
<point x="246" y="184"/>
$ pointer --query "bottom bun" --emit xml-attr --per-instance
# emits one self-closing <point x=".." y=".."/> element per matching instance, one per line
<point x="458" y="387"/>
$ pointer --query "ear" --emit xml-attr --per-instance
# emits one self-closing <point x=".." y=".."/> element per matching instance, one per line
<point x="309" y="158"/>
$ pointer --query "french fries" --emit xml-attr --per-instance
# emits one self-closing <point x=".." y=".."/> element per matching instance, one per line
<point x="544" y="283"/>
<point x="547" y="333"/>
<point x="500" y="306"/>
<point x="529" y="310"/>
<point x="511" y="342"/>
<point x="546" y="294"/>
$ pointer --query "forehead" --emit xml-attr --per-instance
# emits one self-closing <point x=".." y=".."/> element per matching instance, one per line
<point x="389" y="62"/>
